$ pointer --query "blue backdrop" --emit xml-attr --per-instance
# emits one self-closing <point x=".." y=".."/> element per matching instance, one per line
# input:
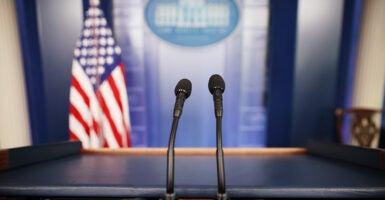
<point x="48" y="36"/>
<point x="162" y="49"/>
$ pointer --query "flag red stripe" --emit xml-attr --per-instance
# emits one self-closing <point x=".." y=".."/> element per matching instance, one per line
<point x="95" y="126"/>
<point x="121" y="67"/>
<point x="105" y="145"/>
<point x="79" y="117"/>
<point x="107" y="113"/>
<point x="115" y="91"/>
<point x="73" y="136"/>
<point x="76" y="85"/>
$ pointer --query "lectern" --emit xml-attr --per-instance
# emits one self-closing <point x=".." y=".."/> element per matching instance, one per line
<point x="319" y="171"/>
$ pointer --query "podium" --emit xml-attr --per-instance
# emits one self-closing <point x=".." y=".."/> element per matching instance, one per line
<point x="65" y="170"/>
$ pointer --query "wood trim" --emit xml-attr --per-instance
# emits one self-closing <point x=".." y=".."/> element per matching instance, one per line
<point x="4" y="159"/>
<point x="197" y="151"/>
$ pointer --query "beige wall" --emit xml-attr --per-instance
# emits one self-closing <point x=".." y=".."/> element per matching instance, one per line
<point x="369" y="81"/>
<point x="14" y="123"/>
<point x="370" y="68"/>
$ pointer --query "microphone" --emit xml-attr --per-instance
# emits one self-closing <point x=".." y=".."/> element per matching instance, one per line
<point x="216" y="88"/>
<point x="182" y="92"/>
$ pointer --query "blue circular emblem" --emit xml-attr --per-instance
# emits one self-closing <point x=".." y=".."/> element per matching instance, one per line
<point x="192" y="22"/>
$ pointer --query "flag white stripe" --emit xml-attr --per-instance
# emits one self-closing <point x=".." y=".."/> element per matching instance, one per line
<point x="79" y="131"/>
<point x="77" y="101"/>
<point x="94" y="111"/>
<point x="117" y="75"/>
<point x="113" y="107"/>
<point x="108" y="134"/>
<point x="94" y="139"/>
<point x="121" y="85"/>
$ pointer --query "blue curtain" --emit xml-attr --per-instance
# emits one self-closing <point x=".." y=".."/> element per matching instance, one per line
<point x="348" y="53"/>
<point x="29" y="37"/>
<point x="282" y="38"/>
<point x="349" y="49"/>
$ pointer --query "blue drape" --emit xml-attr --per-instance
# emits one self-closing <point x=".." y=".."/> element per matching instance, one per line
<point x="29" y="37"/>
<point x="281" y="56"/>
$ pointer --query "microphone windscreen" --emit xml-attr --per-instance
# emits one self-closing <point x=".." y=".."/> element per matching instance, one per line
<point x="184" y="85"/>
<point x="216" y="82"/>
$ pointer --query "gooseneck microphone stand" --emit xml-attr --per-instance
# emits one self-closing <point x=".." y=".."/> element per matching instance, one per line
<point x="182" y="92"/>
<point x="170" y="194"/>
<point x="220" y="161"/>
<point x="216" y="88"/>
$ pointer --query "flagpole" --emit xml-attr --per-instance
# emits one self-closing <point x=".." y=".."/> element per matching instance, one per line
<point x="94" y="4"/>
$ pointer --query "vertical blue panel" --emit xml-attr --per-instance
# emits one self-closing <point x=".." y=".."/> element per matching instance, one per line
<point x="27" y="21"/>
<point x="349" y="49"/>
<point x="252" y="80"/>
<point x="317" y="55"/>
<point x="59" y="27"/>
<point x="154" y="66"/>
<point x="233" y="84"/>
<point x="154" y="136"/>
<point x="141" y="84"/>
<point x="348" y="55"/>
<point x="282" y="34"/>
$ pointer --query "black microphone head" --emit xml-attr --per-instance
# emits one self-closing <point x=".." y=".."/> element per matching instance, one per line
<point x="184" y="85"/>
<point x="216" y="82"/>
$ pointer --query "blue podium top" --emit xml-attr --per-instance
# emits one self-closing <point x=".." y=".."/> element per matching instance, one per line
<point x="265" y="175"/>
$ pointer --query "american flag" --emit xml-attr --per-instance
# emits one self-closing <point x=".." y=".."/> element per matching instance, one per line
<point x="99" y="113"/>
